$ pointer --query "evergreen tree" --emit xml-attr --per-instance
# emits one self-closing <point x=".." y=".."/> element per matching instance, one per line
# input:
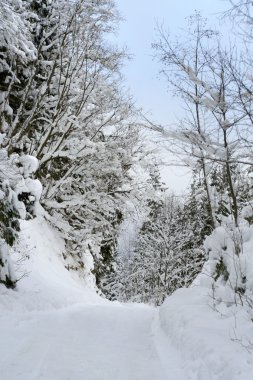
<point x="169" y="250"/>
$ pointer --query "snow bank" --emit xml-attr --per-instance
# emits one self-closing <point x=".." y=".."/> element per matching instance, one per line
<point x="233" y="247"/>
<point x="214" y="345"/>
<point x="211" y="322"/>
<point x="44" y="282"/>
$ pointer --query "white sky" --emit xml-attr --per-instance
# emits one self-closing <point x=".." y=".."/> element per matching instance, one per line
<point x="137" y="33"/>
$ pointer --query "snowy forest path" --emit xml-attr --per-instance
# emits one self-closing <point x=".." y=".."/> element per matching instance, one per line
<point x="109" y="341"/>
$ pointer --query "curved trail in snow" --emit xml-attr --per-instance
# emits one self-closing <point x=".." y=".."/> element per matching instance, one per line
<point x="107" y="341"/>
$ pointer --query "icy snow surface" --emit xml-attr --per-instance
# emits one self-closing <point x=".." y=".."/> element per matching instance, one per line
<point x="53" y="328"/>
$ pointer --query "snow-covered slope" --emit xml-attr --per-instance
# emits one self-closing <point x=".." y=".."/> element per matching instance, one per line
<point x="44" y="282"/>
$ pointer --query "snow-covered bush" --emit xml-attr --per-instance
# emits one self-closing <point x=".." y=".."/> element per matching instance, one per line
<point x="9" y="226"/>
<point x="19" y="197"/>
<point x="230" y="264"/>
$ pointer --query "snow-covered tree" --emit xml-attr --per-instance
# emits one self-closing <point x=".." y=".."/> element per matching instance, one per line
<point x="19" y="192"/>
<point x="19" y="196"/>
<point x="210" y="137"/>
<point x="62" y="103"/>
<point x="17" y="54"/>
<point x="229" y="266"/>
<point x="168" y="251"/>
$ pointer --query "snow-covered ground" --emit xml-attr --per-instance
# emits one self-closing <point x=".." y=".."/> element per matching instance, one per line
<point x="93" y="342"/>
<point x="214" y="345"/>
<point x="54" y="328"/>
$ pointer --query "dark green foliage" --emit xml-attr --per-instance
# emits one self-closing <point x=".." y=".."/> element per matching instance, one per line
<point x="223" y="202"/>
<point x="221" y="271"/>
<point x="225" y="206"/>
<point x="29" y="201"/>
<point x="7" y="281"/>
<point x="104" y="264"/>
<point x="9" y="227"/>
<point x="196" y="214"/>
<point x="9" y="224"/>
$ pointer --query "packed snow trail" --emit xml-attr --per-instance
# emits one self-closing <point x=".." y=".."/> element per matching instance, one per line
<point x="107" y="341"/>
<point x="54" y="327"/>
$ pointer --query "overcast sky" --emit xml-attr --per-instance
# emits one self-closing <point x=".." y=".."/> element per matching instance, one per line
<point x="137" y="32"/>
